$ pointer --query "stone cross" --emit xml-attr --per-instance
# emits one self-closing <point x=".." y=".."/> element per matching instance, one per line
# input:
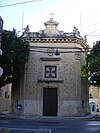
<point x="51" y="14"/>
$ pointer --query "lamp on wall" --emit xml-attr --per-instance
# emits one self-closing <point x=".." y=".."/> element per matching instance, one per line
<point x="57" y="52"/>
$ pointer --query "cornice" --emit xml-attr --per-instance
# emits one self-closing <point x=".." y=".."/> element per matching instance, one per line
<point x="55" y="40"/>
<point x="80" y="41"/>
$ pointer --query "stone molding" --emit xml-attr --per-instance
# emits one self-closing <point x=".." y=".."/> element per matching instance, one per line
<point x="50" y="80"/>
<point x="50" y="59"/>
<point x="57" y="40"/>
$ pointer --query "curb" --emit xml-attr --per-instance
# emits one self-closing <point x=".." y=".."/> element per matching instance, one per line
<point x="88" y="117"/>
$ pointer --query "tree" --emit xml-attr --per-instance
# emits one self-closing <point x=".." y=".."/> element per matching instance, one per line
<point x="15" y="54"/>
<point x="93" y="60"/>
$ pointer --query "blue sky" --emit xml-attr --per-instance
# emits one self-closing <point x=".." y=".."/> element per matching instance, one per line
<point x="84" y="14"/>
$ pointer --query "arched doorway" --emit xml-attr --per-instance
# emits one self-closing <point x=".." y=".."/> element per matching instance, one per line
<point x="93" y="107"/>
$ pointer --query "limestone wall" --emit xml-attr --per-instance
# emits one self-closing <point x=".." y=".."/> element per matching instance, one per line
<point x="94" y="98"/>
<point x="5" y="98"/>
<point x="69" y="92"/>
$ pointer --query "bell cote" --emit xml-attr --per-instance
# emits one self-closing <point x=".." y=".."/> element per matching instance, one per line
<point x="51" y="27"/>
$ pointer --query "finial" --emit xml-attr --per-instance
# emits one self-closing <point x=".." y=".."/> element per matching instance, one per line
<point x="51" y="14"/>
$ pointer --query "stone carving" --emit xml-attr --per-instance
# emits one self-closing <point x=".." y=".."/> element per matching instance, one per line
<point x="76" y="32"/>
<point x="26" y="31"/>
<point x="51" y="27"/>
<point x="51" y="14"/>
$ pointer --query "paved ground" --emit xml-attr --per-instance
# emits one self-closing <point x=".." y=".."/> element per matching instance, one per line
<point x="15" y="124"/>
<point x="40" y="124"/>
<point x="12" y="116"/>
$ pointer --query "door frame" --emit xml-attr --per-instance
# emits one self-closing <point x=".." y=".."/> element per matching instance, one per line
<point x="56" y="100"/>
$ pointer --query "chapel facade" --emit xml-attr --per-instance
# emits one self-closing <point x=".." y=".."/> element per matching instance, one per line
<point x="52" y="84"/>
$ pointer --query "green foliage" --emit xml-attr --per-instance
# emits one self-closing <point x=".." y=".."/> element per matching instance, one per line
<point x="93" y="60"/>
<point x="84" y="71"/>
<point x="15" y="54"/>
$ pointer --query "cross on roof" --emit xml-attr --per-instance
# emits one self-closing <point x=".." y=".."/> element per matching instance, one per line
<point x="51" y="14"/>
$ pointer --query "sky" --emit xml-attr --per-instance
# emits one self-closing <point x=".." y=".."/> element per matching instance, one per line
<point x="84" y="14"/>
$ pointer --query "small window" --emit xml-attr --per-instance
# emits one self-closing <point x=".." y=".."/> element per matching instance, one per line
<point x="6" y="94"/>
<point x="50" y="71"/>
<point x="16" y="102"/>
<point x="90" y="96"/>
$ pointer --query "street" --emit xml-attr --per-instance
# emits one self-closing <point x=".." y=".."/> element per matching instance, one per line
<point x="50" y="125"/>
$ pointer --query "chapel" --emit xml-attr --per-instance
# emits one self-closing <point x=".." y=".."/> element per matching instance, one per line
<point x="52" y="84"/>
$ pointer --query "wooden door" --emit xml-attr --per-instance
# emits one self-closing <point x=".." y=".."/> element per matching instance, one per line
<point x="50" y="101"/>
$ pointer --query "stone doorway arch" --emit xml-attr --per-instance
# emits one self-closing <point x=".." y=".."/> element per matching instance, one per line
<point x="93" y="107"/>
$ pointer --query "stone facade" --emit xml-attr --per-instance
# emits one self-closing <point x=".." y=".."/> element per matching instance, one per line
<point x="52" y="85"/>
<point x="94" y="99"/>
<point x="5" y="98"/>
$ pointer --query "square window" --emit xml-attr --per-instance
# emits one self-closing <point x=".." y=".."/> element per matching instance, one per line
<point x="50" y="71"/>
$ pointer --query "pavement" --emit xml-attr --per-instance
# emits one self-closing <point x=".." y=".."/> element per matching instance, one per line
<point x="7" y="115"/>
